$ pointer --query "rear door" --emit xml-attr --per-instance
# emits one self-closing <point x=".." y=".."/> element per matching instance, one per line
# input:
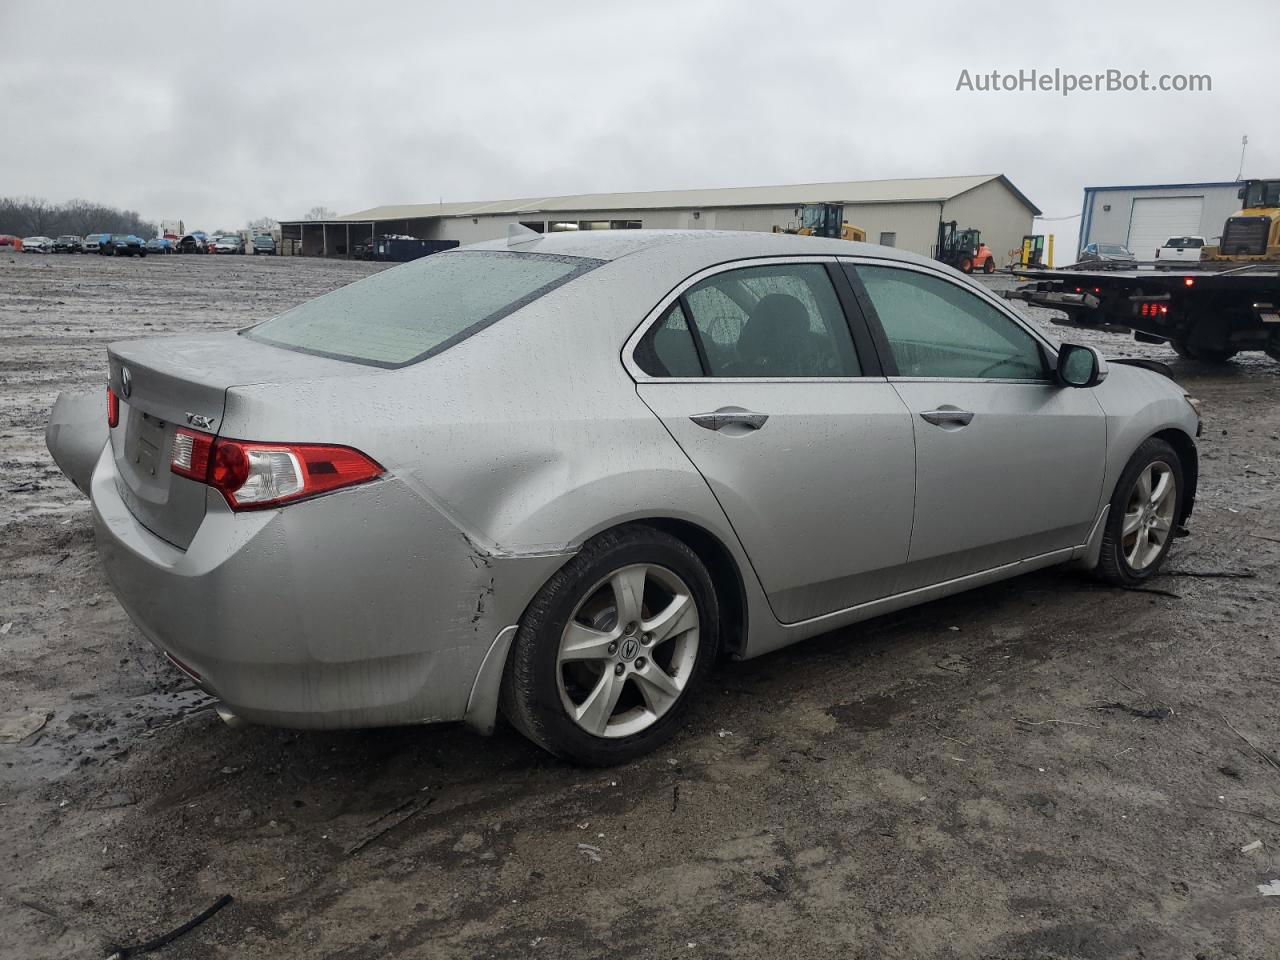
<point x="781" y="405"/>
<point x="1009" y="464"/>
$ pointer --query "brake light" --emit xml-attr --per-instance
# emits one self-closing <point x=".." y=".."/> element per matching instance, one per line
<point x="252" y="475"/>
<point x="113" y="409"/>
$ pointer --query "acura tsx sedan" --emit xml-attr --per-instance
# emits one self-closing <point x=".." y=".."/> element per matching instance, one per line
<point x="557" y="476"/>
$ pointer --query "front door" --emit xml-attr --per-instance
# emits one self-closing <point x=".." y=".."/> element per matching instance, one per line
<point x="1009" y="464"/>
<point x="756" y="375"/>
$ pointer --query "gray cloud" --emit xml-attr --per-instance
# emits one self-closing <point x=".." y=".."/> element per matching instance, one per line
<point x="230" y="111"/>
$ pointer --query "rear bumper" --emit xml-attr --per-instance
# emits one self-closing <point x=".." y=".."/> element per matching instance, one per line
<point x="362" y="608"/>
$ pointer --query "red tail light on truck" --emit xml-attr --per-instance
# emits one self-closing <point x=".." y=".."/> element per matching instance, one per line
<point x="253" y="475"/>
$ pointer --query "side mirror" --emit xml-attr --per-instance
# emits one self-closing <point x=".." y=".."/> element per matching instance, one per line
<point x="1080" y="366"/>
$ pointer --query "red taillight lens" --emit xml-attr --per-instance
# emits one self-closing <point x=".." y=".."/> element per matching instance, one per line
<point x="113" y="409"/>
<point x="253" y="475"/>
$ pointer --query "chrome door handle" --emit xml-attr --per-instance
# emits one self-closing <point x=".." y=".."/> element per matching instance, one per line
<point x="730" y="416"/>
<point x="945" y="415"/>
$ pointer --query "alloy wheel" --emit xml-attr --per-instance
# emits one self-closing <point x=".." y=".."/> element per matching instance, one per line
<point x="1148" y="517"/>
<point x="628" y="650"/>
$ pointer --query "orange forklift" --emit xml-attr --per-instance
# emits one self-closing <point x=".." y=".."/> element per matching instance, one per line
<point x="963" y="249"/>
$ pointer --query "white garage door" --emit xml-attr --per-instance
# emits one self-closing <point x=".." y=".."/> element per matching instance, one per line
<point x="1155" y="219"/>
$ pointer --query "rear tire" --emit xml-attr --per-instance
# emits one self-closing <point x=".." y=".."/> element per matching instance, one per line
<point x="989" y="266"/>
<point x="599" y="676"/>
<point x="1143" y="516"/>
<point x="1201" y="354"/>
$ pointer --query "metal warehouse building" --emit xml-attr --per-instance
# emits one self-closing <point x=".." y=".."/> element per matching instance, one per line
<point x="1144" y="217"/>
<point x="897" y="213"/>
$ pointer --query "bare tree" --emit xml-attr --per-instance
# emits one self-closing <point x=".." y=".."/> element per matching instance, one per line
<point x="262" y="226"/>
<point x="35" y="216"/>
<point x="319" y="213"/>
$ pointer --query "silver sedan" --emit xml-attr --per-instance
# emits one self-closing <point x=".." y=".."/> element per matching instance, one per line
<point x="558" y="476"/>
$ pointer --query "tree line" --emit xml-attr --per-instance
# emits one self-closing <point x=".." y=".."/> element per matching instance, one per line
<point x="37" y="217"/>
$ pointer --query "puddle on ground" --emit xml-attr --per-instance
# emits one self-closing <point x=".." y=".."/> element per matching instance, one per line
<point x="93" y="731"/>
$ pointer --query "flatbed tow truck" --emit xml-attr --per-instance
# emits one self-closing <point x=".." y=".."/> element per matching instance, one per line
<point x="1208" y="314"/>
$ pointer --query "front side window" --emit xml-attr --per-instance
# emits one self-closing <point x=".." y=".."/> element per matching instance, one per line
<point x="416" y="310"/>
<point x="936" y="328"/>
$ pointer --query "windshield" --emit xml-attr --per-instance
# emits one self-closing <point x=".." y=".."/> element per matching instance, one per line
<point x="1113" y="249"/>
<point x="1263" y="193"/>
<point x="414" y="311"/>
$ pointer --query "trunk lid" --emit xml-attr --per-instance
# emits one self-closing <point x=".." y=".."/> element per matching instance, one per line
<point x="167" y="383"/>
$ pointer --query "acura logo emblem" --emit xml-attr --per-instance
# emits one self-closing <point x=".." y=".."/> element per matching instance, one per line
<point x="630" y="647"/>
<point x="126" y="381"/>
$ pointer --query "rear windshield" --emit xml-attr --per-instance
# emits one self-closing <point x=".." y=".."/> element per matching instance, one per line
<point x="411" y="312"/>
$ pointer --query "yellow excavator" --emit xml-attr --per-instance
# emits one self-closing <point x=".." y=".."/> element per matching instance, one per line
<point x="1253" y="234"/>
<point x="823" y="220"/>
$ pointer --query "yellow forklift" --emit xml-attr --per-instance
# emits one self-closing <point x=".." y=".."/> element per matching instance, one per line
<point x="823" y="220"/>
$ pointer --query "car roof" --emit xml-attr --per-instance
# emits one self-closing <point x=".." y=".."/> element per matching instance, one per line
<point x="715" y="246"/>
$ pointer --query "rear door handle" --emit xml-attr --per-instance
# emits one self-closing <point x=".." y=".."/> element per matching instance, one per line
<point x="730" y="416"/>
<point x="948" y="415"/>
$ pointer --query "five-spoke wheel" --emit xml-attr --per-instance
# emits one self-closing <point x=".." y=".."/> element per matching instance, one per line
<point x="1145" y="510"/>
<point x="610" y="651"/>
<point x="628" y="651"/>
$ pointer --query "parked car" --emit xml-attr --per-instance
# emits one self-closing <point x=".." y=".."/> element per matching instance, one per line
<point x="37" y="245"/>
<point x="264" y="244"/>
<point x="192" y="243"/>
<point x="123" y="245"/>
<point x="94" y="241"/>
<point x="1108" y="255"/>
<point x="229" y="244"/>
<point x="160" y="245"/>
<point x="67" y="243"/>
<point x="589" y="464"/>
<point x="1180" y="250"/>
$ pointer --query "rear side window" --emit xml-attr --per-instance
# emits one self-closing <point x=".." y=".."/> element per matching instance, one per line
<point x="412" y="312"/>
<point x="777" y="321"/>
<point x="669" y="351"/>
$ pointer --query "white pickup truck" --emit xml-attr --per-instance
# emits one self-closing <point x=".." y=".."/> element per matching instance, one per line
<point x="1180" y="250"/>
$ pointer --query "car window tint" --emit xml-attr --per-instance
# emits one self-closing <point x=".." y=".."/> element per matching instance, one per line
<point x="781" y="320"/>
<point x="936" y="328"/>
<point x="668" y="349"/>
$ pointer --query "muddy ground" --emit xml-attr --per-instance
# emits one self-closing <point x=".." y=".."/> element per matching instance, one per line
<point x="953" y="781"/>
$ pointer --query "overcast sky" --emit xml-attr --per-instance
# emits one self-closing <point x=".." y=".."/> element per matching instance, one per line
<point x="221" y="112"/>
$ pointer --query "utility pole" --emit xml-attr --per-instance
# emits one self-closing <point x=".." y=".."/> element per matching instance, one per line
<point x="1244" y="142"/>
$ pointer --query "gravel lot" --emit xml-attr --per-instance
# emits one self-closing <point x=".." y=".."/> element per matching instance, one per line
<point x="948" y="782"/>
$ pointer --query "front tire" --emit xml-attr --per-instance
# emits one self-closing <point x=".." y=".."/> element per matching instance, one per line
<point x="611" y="652"/>
<point x="1144" y="513"/>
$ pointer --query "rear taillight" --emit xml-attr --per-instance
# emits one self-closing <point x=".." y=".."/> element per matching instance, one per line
<point x="253" y="475"/>
<point x="113" y="408"/>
